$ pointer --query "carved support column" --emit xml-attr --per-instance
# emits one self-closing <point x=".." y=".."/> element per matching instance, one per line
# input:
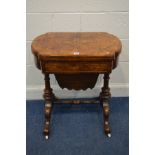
<point x="48" y="96"/>
<point x="105" y="96"/>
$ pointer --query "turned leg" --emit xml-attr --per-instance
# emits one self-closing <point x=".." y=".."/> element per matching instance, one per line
<point x="48" y="96"/>
<point x="105" y="96"/>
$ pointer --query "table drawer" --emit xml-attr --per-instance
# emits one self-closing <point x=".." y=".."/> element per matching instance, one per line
<point x="70" y="67"/>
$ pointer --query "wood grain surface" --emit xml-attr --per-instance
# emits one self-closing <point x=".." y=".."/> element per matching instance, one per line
<point x="92" y="44"/>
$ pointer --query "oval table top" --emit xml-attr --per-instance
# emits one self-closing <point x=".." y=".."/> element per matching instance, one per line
<point x="76" y="44"/>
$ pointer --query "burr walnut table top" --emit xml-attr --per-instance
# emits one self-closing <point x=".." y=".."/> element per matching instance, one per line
<point x="76" y="46"/>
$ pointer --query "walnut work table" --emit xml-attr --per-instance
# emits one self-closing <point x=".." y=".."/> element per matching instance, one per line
<point x="76" y="59"/>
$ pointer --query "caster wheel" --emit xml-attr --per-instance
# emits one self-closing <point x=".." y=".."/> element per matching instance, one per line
<point x="46" y="137"/>
<point x="109" y="135"/>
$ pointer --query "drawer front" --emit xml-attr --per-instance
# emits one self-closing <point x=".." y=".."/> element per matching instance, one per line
<point x="74" y="67"/>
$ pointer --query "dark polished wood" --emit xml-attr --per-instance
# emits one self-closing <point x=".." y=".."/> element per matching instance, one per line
<point x="48" y="96"/>
<point x="105" y="96"/>
<point x="77" y="101"/>
<point x="76" y="59"/>
<point x="77" y="81"/>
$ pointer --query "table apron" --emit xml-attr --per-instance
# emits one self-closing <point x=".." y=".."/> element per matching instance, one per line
<point x="76" y="67"/>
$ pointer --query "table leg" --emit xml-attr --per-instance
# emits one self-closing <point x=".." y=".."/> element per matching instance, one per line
<point x="105" y="96"/>
<point x="48" y="96"/>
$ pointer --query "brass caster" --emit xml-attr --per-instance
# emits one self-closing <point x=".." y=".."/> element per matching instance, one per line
<point x="46" y="137"/>
<point x="109" y="135"/>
